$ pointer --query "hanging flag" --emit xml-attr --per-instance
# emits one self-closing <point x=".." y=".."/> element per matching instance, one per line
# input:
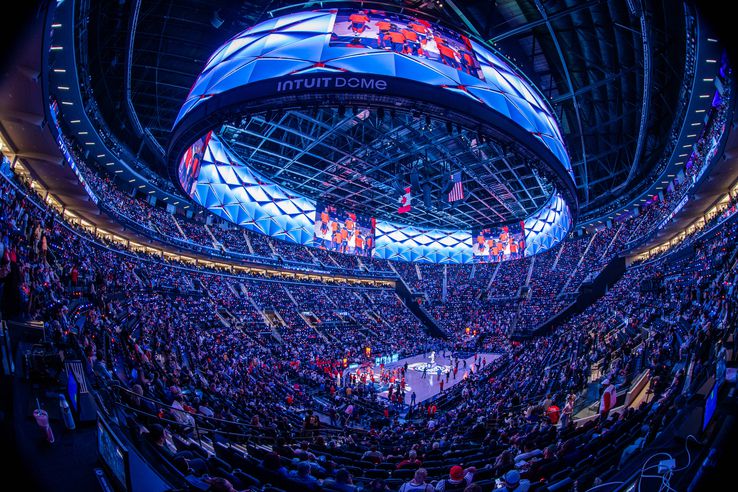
<point x="457" y="192"/>
<point x="405" y="202"/>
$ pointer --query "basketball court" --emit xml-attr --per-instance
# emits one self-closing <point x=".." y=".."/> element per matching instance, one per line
<point x="423" y="373"/>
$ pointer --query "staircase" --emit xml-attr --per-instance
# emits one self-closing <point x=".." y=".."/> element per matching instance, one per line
<point x="570" y="277"/>
<point x="272" y="248"/>
<point x="492" y="279"/>
<point x="138" y="279"/>
<point x="216" y="244"/>
<point x="612" y="241"/>
<point x="268" y="322"/>
<point x="530" y="270"/>
<point x="407" y="298"/>
<point x="444" y="285"/>
<point x="297" y="308"/>
<point x="315" y="258"/>
<point x="289" y="294"/>
<point x="333" y="260"/>
<point x="222" y="318"/>
<point x="179" y="227"/>
<point x="248" y="243"/>
<point x="558" y="255"/>
<point x="232" y="289"/>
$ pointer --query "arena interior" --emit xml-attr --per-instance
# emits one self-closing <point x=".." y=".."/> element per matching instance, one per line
<point x="404" y="245"/>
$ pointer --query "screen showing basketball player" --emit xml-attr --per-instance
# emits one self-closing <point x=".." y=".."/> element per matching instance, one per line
<point x="343" y="231"/>
<point x="189" y="168"/>
<point x="410" y="36"/>
<point x="497" y="244"/>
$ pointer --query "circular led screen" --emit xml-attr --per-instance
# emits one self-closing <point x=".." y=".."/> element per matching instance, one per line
<point x="276" y="125"/>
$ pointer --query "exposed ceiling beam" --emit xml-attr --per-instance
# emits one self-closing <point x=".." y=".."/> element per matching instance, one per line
<point x="544" y="20"/>
<point x="570" y="85"/>
<point x="594" y="85"/>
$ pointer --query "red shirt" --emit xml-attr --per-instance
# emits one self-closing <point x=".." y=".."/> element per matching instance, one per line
<point x="358" y="18"/>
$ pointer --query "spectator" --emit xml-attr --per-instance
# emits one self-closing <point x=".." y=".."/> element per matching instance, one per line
<point x="417" y="484"/>
<point x="458" y="479"/>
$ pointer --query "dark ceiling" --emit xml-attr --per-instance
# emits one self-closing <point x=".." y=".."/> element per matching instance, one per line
<point x="587" y="57"/>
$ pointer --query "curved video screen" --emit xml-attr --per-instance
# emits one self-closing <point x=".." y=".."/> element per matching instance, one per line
<point x="342" y="231"/>
<point x="496" y="244"/>
<point x="189" y="168"/>
<point x="219" y="181"/>
<point x="377" y="29"/>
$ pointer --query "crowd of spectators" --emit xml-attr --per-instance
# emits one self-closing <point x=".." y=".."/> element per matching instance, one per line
<point x="702" y="155"/>
<point x="163" y="333"/>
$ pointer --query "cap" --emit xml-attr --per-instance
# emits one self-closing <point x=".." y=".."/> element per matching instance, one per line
<point x="456" y="472"/>
<point x="512" y="477"/>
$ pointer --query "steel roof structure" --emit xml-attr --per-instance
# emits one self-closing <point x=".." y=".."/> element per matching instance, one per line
<point x="612" y="71"/>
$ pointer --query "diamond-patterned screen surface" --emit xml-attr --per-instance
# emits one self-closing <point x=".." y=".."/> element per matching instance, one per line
<point x="321" y="41"/>
<point x="547" y="227"/>
<point x="231" y="190"/>
<point x="407" y="243"/>
<point x="238" y="194"/>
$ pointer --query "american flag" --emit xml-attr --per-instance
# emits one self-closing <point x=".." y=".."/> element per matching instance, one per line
<point x="457" y="192"/>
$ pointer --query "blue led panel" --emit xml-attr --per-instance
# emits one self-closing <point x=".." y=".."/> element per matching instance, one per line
<point x="406" y="243"/>
<point x="232" y="191"/>
<point x="385" y="44"/>
<point x="547" y="227"/>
